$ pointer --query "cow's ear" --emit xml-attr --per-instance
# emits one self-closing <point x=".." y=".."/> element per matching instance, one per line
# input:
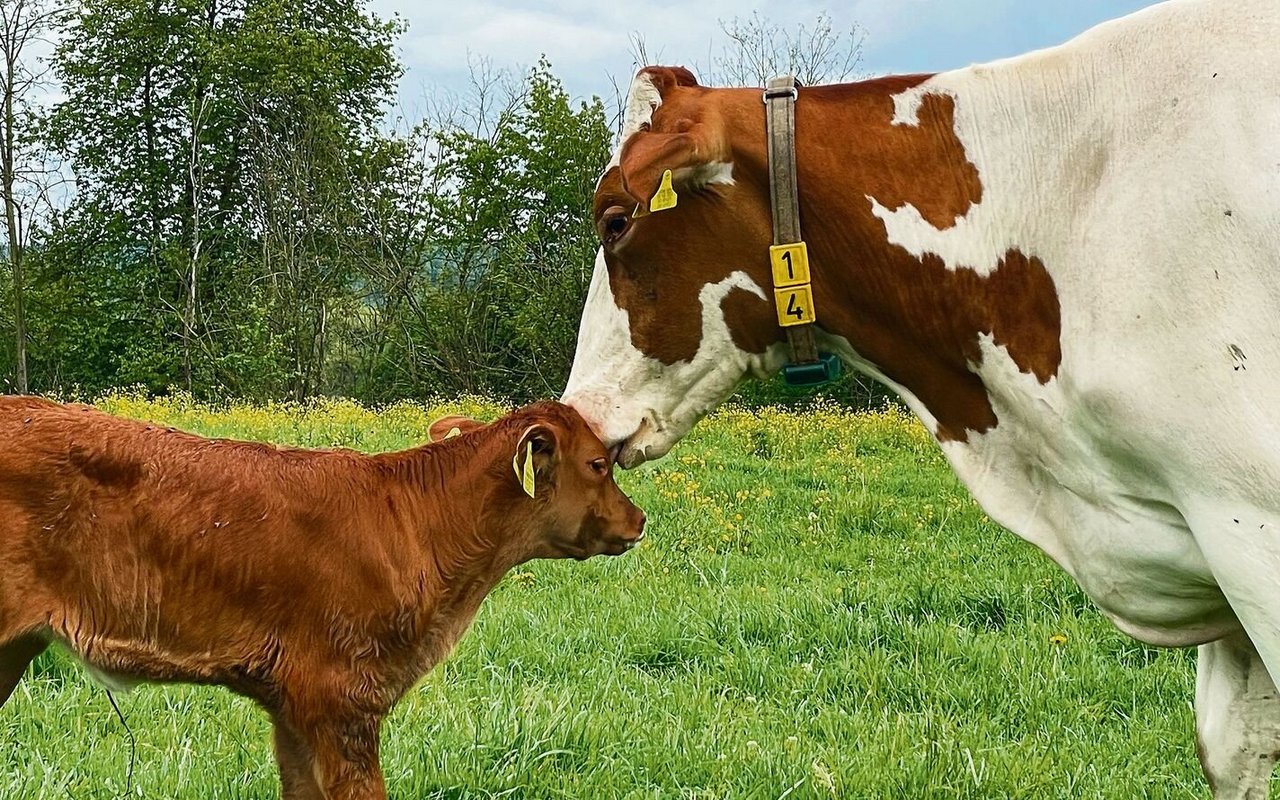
<point x="648" y="155"/>
<point x="668" y="140"/>
<point x="451" y="426"/>
<point x="663" y="78"/>
<point x="537" y="451"/>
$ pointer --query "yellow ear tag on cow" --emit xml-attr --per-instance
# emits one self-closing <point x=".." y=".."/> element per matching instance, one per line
<point x="454" y="431"/>
<point x="665" y="197"/>
<point x="524" y="473"/>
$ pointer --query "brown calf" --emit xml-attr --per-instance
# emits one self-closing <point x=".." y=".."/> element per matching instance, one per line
<point x="322" y="584"/>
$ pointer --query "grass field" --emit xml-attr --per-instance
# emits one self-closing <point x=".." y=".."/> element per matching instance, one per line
<point x="819" y="611"/>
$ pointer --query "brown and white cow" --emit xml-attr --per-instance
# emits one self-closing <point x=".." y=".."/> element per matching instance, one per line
<point x="1066" y="263"/>
<point x="322" y="584"/>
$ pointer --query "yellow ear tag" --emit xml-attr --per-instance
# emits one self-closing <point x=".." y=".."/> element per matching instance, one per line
<point x="452" y="433"/>
<point x="665" y="197"/>
<point x="524" y="473"/>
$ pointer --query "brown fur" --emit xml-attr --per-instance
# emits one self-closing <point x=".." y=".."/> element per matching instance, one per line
<point x="322" y="584"/>
<point x="914" y="318"/>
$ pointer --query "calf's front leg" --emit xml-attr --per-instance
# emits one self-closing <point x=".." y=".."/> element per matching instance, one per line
<point x="293" y="758"/>
<point x="1237" y="719"/>
<point x="330" y="757"/>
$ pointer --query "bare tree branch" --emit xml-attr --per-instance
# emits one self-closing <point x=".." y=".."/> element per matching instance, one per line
<point x="24" y="174"/>
<point x="759" y="49"/>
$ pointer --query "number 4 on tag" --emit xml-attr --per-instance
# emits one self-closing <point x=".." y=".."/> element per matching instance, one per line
<point x="794" y="305"/>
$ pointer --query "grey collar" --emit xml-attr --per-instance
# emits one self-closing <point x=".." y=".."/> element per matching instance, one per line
<point x="789" y="257"/>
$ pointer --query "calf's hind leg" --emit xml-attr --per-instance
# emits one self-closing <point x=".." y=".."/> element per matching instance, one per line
<point x="15" y="656"/>
<point x="1237" y="719"/>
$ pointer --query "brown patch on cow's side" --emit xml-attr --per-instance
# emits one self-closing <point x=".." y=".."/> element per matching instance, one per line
<point x="916" y="319"/>
<point x="922" y="165"/>
<point x="946" y="311"/>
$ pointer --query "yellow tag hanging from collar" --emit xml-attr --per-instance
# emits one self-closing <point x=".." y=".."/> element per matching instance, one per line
<point x="665" y="197"/>
<point x="524" y="473"/>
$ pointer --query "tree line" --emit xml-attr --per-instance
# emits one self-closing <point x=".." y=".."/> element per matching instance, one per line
<point x="212" y="195"/>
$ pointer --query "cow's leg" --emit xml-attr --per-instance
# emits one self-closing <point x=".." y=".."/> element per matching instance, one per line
<point x="293" y="758"/>
<point x="343" y="756"/>
<point x="1237" y="719"/>
<point x="15" y="656"/>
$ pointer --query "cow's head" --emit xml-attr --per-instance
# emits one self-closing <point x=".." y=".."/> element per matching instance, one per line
<point x="679" y="307"/>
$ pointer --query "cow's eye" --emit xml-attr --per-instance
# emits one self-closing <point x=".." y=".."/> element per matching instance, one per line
<point x="600" y="466"/>
<point x="613" y="224"/>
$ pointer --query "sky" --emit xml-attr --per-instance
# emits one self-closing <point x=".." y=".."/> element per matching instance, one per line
<point x="588" y="41"/>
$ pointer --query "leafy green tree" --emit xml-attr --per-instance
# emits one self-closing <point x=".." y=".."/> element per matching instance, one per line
<point x="24" y="174"/>
<point x="486" y="270"/>
<point x="172" y="109"/>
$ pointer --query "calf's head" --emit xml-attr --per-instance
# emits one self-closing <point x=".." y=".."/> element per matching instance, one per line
<point x="555" y="486"/>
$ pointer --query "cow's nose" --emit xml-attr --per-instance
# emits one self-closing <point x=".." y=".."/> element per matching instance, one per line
<point x="640" y="527"/>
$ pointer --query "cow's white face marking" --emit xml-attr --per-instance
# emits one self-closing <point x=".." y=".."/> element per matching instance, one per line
<point x="640" y="403"/>
<point x="717" y="172"/>
<point x="643" y="98"/>
<point x="633" y="400"/>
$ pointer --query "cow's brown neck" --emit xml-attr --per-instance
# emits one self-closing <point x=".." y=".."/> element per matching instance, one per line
<point x="914" y="318"/>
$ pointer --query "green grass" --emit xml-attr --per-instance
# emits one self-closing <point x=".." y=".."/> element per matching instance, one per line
<point x="819" y="611"/>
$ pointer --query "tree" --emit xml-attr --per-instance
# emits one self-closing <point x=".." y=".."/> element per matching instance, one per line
<point x="487" y="244"/>
<point x="172" y="109"/>
<point x="758" y="49"/>
<point x="24" y="177"/>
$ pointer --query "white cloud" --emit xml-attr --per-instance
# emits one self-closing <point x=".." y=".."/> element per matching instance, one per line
<point x="588" y="41"/>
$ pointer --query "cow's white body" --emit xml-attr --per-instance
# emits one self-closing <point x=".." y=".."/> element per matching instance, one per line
<point x="1141" y="163"/>
<point x="1133" y="165"/>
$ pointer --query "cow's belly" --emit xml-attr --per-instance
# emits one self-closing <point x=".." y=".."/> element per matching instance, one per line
<point x="1138" y="561"/>
<point x="1092" y="506"/>
<point x="1135" y="558"/>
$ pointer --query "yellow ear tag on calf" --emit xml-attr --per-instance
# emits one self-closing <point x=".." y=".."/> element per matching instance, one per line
<point x="524" y="473"/>
<point x="665" y="197"/>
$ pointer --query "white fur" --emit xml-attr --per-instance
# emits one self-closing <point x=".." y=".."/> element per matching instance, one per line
<point x="625" y="392"/>
<point x="643" y="98"/>
<point x="1149" y="466"/>
<point x="715" y="173"/>
<point x="1237" y="718"/>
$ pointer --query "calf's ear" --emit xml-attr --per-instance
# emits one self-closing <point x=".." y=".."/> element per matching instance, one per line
<point x="451" y="426"/>
<point x="537" y="452"/>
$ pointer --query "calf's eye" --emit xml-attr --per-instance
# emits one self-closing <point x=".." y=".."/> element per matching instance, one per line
<point x="600" y="466"/>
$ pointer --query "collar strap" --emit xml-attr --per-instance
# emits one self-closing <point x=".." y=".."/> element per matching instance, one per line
<point x="789" y="255"/>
